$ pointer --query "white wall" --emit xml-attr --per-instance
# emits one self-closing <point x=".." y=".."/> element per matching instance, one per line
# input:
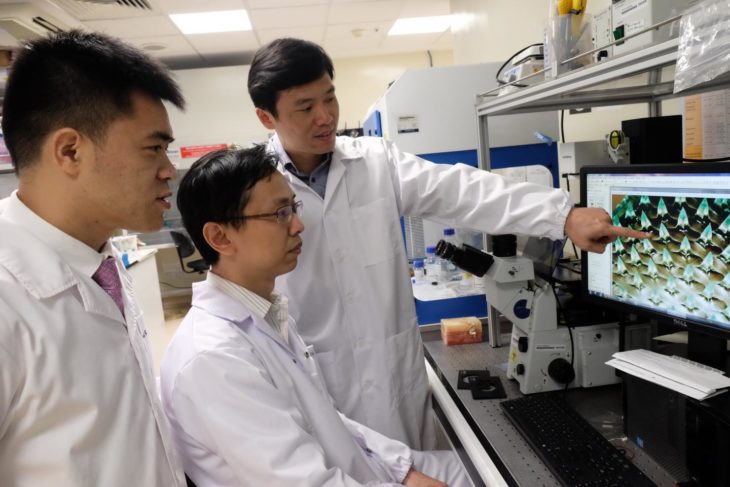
<point x="219" y="109"/>
<point x="362" y="81"/>
<point x="494" y="30"/>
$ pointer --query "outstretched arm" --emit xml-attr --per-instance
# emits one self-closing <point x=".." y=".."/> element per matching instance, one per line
<point x="591" y="229"/>
<point x="417" y="479"/>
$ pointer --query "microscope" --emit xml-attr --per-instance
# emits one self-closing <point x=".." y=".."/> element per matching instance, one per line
<point x="544" y="355"/>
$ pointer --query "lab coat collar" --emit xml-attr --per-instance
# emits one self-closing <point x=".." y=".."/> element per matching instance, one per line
<point x="346" y="149"/>
<point x="217" y="303"/>
<point x="37" y="267"/>
<point x="75" y="253"/>
<point x="44" y="273"/>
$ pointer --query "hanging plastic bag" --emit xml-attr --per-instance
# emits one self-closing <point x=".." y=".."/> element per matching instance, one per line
<point x="704" y="44"/>
<point x="567" y="34"/>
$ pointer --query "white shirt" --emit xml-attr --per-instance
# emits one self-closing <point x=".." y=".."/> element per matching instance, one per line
<point x="274" y="312"/>
<point x="78" y="402"/>
<point x="350" y="293"/>
<point x="249" y="410"/>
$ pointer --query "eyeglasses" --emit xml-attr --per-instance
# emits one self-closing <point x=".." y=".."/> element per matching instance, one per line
<point x="283" y="214"/>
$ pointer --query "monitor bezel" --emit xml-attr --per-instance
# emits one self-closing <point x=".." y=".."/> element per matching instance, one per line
<point x="664" y="318"/>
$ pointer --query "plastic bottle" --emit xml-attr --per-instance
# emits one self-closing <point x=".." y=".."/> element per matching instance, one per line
<point x="432" y="265"/>
<point x="449" y="272"/>
<point x="419" y="275"/>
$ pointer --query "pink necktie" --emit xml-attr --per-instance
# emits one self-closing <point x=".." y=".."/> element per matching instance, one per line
<point x="107" y="276"/>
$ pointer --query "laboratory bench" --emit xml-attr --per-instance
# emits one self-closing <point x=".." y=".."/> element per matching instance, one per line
<point x="492" y="449"/>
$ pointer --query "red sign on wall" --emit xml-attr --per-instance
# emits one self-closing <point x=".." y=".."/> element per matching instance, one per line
<point x="200" y="150"/>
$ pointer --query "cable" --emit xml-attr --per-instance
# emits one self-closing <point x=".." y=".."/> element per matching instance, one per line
<point x="718" y="159"/>
<point x="562" y="125"/>
<point x="570" y="330"/>
<point x="496" y="76"/>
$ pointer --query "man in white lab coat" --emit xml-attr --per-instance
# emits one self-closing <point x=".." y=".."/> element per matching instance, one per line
<point x="241" y="388"/>
<point x="86" y="128"/>
<point x="350" y="294"/>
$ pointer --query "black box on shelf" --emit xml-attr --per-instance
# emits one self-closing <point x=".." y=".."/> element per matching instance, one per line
<point x="654" y="140"/>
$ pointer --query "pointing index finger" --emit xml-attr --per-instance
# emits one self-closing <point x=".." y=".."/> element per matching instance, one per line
<point x="629" y="232"/>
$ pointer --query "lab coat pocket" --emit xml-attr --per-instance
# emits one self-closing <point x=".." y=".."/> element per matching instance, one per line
<point x="376" y="232"/>
<point x="404" y="362"/>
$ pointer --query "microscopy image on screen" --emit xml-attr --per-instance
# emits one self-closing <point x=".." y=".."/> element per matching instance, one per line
<point x="684" y="268"/>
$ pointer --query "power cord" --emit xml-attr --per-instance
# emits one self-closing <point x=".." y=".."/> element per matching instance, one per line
<point x="499" y="71"/>
<point x="561" y="312"/>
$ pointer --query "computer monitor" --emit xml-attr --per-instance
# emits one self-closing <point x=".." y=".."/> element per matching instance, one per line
<point x="681" y="275"/>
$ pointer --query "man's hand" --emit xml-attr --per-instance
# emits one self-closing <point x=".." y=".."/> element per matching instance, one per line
<point x="591" y="229"/>
<point x="417" y="479"/>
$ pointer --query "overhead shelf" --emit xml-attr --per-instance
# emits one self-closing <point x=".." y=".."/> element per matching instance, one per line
<point x="632" y="78"/>
<point x="582" y="87"/>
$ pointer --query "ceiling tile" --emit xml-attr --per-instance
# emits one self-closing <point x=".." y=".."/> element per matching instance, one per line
<point x="272" y="18"/>
<point x="224" y="42"/>
<point x="157" y="25"/>
<point x="175" y="45"/>
<point x="425" y="8"/>
<point x="252" y="4"/>
<point x="314" y="34"/>
<point x="362" y="1"/>
<point x="189" y="6"/>
<point x="417" y="42"/>
<point x="342" y="13"/>
<point x="366" y="33"/>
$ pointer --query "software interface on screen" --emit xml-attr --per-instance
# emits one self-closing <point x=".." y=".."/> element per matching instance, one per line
<point x="684" y="269"/>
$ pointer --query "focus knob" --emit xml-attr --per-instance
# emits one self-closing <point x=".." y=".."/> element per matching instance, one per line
<point x="522" y="344"/>
<point x="519" y="369"/>
<point x="561" y="371"/>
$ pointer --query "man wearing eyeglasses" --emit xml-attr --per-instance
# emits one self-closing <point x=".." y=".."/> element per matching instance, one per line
<point x="239" y="385"/>
<point x="351" y="294"/>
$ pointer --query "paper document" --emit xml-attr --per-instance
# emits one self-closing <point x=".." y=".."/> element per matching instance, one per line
<point x="688" y="378"/>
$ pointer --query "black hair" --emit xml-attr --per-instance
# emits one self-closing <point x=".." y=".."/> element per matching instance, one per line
<point x="82" y="80"/>
<point x="283" y="64"/>
<point x="217" y="188"/>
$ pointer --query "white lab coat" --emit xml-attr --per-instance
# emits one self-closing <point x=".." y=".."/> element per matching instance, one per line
<point x="350" y="293"/>
<point x="246" y="409"/>
<point x="78" y="399"/>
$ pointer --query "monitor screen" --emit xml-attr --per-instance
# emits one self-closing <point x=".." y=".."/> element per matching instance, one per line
<point x="681" y="273"/>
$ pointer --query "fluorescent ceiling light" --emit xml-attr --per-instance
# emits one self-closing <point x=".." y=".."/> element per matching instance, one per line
<point x="205" y="22"/>
<point x="420" y="25"/>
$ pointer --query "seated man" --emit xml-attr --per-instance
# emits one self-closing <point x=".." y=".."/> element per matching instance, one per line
<point x="241" y="388"/>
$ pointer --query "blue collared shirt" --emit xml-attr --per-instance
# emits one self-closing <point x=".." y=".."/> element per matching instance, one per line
<point x="317" y="179"/>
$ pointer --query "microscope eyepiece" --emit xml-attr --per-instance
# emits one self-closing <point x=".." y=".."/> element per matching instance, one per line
<point x="465" y="257"/>
<point x="504" y="245"/>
